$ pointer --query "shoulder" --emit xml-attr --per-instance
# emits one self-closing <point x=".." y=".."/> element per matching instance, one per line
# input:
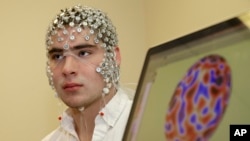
<point x="49" y="137"/>
<point x="60" y="134"/>
<point x="127" y="92"/>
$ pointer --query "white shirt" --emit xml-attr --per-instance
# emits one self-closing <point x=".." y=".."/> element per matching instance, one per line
<point x="109" y="127"/>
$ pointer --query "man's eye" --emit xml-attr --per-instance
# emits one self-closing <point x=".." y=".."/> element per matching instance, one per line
<point x="83" y="53"/>
<point x="56" y="57"/>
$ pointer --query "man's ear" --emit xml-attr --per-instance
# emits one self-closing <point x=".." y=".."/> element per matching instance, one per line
<point x="117" y="55"/>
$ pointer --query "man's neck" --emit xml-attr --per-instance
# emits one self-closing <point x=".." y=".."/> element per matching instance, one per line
<point x="85" y="120"/>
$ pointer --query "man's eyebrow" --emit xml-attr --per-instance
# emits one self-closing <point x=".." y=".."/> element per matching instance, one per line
<point x="82" y="46"/>
<point x="55" y="49"/>
<point x="77" y="47"/>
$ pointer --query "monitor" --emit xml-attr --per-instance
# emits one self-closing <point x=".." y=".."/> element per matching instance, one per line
<point x="194" y="87"/>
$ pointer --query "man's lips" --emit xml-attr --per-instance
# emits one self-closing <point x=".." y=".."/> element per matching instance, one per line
<point x="72" y="86"/>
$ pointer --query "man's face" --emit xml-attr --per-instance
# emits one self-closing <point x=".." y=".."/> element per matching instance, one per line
<point x="74" y="70"/>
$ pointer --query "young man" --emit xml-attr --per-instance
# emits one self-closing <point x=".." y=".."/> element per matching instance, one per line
<point x="83" y="69"/>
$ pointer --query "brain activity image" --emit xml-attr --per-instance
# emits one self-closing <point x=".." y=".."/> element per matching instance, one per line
<point x="199" y="100"/>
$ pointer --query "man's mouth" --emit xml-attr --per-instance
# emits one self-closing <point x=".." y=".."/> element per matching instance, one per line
<point x="72" y="86"/>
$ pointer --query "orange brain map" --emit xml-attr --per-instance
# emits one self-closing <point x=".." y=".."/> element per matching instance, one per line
<point x="199" y="100"/>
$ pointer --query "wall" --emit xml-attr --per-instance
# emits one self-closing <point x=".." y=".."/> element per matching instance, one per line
<point x="28" y="108"/>
<point x="168" y="19"/>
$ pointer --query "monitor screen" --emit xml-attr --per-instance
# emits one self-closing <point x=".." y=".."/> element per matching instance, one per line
<point x="194" y="87"/>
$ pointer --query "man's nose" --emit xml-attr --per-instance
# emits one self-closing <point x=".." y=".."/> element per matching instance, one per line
<point x="70" y="66"/>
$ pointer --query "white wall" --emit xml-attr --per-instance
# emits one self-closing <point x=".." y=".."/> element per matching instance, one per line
<point x="170" y="19"/>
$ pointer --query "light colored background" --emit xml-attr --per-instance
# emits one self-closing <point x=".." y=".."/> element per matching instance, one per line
<point x="28" y="108"/>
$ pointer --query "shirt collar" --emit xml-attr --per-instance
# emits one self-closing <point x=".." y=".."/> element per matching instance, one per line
<point x="111" y="112"/>
<point x="67" y="123"/>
